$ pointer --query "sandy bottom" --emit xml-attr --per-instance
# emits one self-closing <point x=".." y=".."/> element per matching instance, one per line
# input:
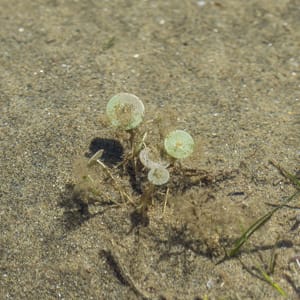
<point x="225" y="71"/>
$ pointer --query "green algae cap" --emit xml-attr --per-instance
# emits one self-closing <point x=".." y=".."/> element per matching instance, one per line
<point x="179" y="144"/>
<point x="158" y="176"/>
<point x="125" y="111"/>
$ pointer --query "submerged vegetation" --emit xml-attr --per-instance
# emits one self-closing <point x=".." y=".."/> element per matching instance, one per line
<point x="146" y="169"/>
<point x="142" y="165"/>
<point x="265" y="275"/>
<point x="266" y="217"/>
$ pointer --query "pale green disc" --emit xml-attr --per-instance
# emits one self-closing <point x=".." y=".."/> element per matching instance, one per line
<point x="158" y="176"/>
<point x="151" y="160"/>
<point x="125" y="111"/>
<point x="179" y="144"/>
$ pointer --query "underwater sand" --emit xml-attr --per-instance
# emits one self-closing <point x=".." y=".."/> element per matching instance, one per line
<point x="228" y="71"/>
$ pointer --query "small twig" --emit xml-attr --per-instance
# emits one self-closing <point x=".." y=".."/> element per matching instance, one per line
<point x="123" y="275"/>
<point x="117" y="186"/>
<point x="166" y="200"/>
<point x="95" y="157"/>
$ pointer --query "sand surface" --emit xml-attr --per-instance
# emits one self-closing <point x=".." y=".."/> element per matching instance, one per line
<point x="225" y="71"/>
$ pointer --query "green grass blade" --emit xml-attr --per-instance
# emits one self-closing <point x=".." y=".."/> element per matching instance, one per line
<point x="246" y="235"/>
<point x="269" y="280"/>
<point x="256" y="225"/>
<point x="286" y="174"/>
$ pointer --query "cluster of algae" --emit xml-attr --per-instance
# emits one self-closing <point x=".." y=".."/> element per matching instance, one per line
<point x="144" y="171"/>
<point x="126" y="112"/>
